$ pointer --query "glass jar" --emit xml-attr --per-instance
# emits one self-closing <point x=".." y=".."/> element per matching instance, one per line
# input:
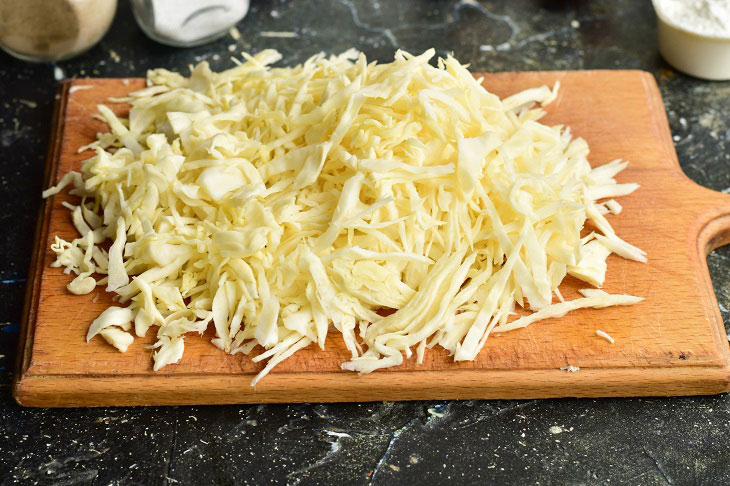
<point x="53" y="30"/>
<point x="187" y="23"/>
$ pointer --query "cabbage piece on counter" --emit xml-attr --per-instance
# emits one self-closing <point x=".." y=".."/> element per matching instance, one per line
<point x="280" y="205"/>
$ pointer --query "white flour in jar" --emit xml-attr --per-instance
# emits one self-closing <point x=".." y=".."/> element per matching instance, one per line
<point x="704" y="17"/>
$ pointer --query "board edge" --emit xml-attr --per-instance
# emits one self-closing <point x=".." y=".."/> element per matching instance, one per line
<point x="35" y="268"/>
<point x="336" y="387"/>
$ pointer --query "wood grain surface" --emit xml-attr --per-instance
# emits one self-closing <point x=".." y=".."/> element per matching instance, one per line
<point x="673" y="343"/>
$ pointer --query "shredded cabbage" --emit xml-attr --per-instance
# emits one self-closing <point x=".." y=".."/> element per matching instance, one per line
<point x="279" y="203"/>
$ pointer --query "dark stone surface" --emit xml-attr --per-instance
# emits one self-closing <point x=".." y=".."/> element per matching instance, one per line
<point x="630" y="441"/>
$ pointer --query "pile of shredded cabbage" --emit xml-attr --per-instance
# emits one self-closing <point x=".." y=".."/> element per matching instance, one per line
<point x="277" y="203"/>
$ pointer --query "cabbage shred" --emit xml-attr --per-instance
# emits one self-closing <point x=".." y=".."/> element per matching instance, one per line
<point x="278" y="204"/>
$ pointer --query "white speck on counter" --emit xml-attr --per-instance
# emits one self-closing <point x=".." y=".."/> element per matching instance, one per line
<point x="231" y="47"/>
<point x="337" y="434"/>
<point x="234" y="33"/>
<point x="707" y="120"/>
<point x="115" y="57"/>
<point x="575" y="24"/>
<point x="556" y="429"/>
<point x="29" y="103"/>
<point x="435" y="413"/>
<point x="570" y="368"/>
<point x="275" y="14"/>
<point x="58" y="73"/>
<point x="277" y="34"/>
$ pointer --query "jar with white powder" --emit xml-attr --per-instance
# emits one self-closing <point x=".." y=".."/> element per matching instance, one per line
<point x="186" y="23"/>
<point x="53" y="30"/>
<point x="694" y="36"/>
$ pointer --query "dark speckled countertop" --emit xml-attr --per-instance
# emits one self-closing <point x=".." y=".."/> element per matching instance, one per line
<point x="629" y="441"/>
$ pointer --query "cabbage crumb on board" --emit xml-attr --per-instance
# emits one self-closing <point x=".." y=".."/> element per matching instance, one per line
<point x="280" y="204"/>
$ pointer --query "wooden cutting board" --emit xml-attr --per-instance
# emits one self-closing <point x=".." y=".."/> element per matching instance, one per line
<point x="673" y="343"/>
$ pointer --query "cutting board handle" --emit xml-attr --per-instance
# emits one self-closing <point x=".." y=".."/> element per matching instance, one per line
<point x="717" y="232"/>
<point x="709" y="210"/>
<point x="713" y="229"/>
